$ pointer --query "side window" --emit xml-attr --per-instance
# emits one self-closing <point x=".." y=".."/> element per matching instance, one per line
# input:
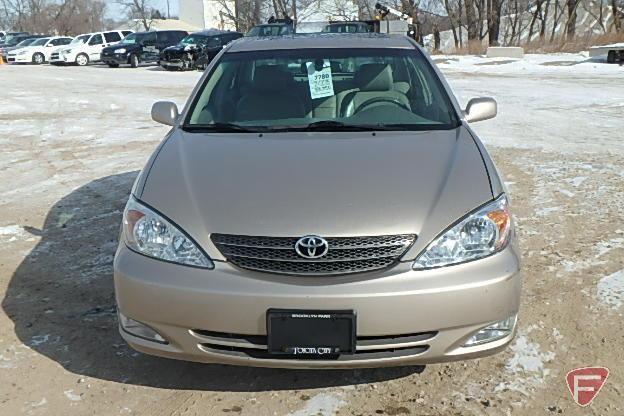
<point x="214" y="41"/>
<point x="149" y="39"/>
<point x="65" y="41"/>
<point x="126" y="32"/>
<point x="96" y="40"/>
<point x="56" y="42"/>
<point x="167" y="38"/>
<point x="162" y="37"/>
<point x="112" y="37"/>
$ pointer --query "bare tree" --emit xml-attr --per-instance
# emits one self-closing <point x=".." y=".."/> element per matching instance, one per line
<point x="139" y="9"/>
<point x="493" y="18"/>
<point x="617" y="23"/>
<point x="471" y="20"/>
<point x="571" y="22"/>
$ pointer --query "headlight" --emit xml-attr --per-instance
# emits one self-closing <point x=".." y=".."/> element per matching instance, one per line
<point x="148" y="233"/>
<point x="66" y="51"/>
<point x="479" y="234"/>
<point x="21" y="53"/>
<point x="122" y="50"/>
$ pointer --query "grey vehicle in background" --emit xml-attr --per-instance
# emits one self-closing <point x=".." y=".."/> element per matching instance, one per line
<point x="271" y="29"/>
<point x="320" y="202"/>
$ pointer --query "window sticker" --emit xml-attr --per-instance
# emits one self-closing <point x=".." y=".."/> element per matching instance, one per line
<point x="320" y="78"/>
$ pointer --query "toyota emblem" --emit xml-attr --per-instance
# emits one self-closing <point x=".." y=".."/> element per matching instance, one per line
<point x="311" y="247"/>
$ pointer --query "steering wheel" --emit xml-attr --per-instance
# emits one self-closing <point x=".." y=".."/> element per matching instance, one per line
<point x="376" y="100"/>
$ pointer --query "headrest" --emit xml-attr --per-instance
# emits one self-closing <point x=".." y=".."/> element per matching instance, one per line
<point x="271" y="78"/>
<point x="374" y="77"/>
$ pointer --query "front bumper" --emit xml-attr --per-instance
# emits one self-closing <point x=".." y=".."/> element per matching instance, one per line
<point x="19" y="59"/>
<point x="174" y="63"/>
<point x="115" y="59"/>
<point x="207" y="315"/>
<point x="59" y="58"/>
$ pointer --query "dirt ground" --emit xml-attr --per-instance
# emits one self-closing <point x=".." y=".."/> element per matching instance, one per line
<point x="72" y="141"/>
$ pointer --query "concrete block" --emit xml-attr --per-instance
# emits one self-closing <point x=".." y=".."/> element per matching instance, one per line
<point x="505" y="52"/>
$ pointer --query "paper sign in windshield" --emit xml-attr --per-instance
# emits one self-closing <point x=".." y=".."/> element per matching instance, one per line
<point x="320" y="79"/>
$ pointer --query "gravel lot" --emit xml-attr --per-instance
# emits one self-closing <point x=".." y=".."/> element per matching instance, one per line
<point x="73" y="140"/>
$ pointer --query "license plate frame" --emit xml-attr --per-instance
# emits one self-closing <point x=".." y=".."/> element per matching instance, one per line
<point x="311" y="333"/>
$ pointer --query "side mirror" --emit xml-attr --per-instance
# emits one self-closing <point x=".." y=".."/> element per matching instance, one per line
<point x="478" y="109"/>
<point x="165" y="112"/>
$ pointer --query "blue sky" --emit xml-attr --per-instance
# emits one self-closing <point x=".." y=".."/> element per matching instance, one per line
<point x="117" y="12"/>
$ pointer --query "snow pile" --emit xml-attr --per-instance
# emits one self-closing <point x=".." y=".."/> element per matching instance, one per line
<point x="323" y="404"/>
<point x="611" y="290"/>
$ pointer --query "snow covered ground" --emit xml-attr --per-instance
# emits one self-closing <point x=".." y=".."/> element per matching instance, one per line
<point x="72" y="140"/>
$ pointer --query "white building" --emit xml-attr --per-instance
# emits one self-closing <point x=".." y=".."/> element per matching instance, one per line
<point x="207" y="14"/>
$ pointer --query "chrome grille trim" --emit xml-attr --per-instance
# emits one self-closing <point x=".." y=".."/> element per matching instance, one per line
<point x="363" y="344"/>
<point x="345" y="255"/>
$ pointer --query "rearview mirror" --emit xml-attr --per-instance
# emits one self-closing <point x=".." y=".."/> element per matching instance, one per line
<point x="479" y="109"/>
<point x="165" y="112"/>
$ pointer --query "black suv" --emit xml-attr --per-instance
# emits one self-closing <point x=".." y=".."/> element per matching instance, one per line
<point x="140" y="47"/>
<point x="196" y="50"/>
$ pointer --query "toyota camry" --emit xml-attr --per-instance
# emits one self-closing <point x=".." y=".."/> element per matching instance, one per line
<point x="320" y="202"/>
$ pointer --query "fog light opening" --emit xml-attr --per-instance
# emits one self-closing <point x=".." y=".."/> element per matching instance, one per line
<point x="137" y="329"/>
<point x="493" y="332"/>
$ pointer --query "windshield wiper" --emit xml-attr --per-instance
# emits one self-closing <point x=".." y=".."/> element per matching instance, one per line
<point x="332" y="125"/>
<point x="222" y="128"/>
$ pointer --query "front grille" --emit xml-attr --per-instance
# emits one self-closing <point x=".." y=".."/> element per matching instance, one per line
<point x="367" y="347"/>
<point x="55" y="55"/>
<point x="345" y="254"/>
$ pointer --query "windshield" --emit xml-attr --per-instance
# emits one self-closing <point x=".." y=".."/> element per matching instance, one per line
<point x="194" y="40"/>
<point x="40" y="42"/>
<point x="10" y="39"/>
<point x="80" y="39"/>
<point x="323" y="89"/>
<point x="130" y="39"/>
<point x="268" y="30"/>
<point x="26" y="42"/>
<point x="345" y="28"/>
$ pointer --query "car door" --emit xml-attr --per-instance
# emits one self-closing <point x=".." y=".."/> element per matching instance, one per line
<point x="214" y="45"/>
<point x="149" y="47"/>
<point x="94" y="47"/>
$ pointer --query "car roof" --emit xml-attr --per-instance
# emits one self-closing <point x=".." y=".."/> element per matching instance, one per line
<point x="212" y="32"/>
<point x="322" y="41"/>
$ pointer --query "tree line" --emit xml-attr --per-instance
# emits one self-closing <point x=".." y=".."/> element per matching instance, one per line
<point x="495" y="22"/>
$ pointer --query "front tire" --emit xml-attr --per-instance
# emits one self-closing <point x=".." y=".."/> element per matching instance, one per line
<point x="82" y="59"/>
<point x="134" y="61"/>
<point x="38" y="58"/>
<point x="611" y="57"/>
<point x="187" y="63"/>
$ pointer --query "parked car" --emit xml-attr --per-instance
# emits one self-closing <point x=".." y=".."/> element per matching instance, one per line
<point x="38" y="51"/>
<point x="347" y="27"/>
<point x="271" y="29"/>
<point x="18" y="42"/>
<point x="87" y="48"/>
<point x="321" y="202"/>
<point x="196" y="50"/>
<point x="10" y="35"/>
<point x="141" y="47"/>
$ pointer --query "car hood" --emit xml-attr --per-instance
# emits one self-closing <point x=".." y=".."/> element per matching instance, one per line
<point x="328" y="184"/>
<point x="128" y="47"/>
